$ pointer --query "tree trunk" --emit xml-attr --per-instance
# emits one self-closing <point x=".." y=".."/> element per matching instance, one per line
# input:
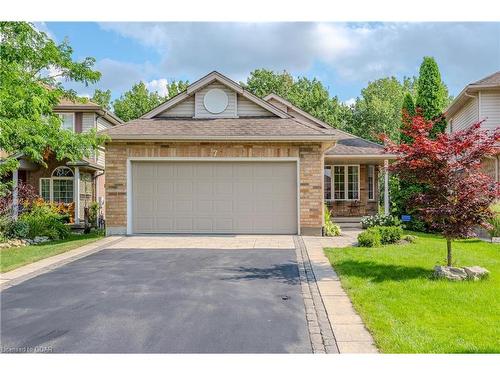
<point x="448" y="245"/>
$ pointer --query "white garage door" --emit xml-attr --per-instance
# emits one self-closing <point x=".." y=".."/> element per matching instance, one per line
<point x="214" y="197"/>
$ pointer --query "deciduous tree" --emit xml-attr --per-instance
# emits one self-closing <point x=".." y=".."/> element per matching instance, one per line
<point x="103" y="98"/>
<point x="456" y="195"/>
<point x="32" y="70"/>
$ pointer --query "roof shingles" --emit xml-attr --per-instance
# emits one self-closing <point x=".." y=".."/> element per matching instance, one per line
<point x="223" y="127"/>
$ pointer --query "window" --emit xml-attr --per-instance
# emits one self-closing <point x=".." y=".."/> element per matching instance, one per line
<point x="328" y="182"/>
<point x="352" y="182"/>
<point x="68" y="121"/>
<point x="339" y="182"/>
<point x="371" y="182"/>
<point x="45" y="189"/>
<point x="58" y="188"/>
<point x="345" y="182"/>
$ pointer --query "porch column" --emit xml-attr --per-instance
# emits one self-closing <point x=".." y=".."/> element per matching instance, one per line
<point x="15" y="197"/>
<point x="76" y="194"/>
<point x="386" y="187"/>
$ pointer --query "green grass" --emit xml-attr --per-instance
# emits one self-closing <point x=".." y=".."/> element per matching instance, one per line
<point x="408" y="311"/>
<point x="13" y="258"/>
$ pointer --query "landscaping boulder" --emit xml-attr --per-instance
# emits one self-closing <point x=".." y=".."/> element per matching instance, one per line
<point x="450" y="273"/>
<point x="476" y="272"/>
<point x="460" y="273"/>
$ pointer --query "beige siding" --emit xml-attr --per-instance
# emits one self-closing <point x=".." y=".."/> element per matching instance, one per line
<point x="490" y="109"/>
<point x="100" y="157"/>
<point x="466" y="116"/>
<point x="183" y="109"/>
<point x="278" y="104"/>
<point x="103" y="124"/>
<point x="88" y="122"/>
<point x="247" y="108"/>
<point x="200" y="110"/>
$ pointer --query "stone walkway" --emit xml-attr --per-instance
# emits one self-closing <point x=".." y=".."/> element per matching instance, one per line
<point x="350" y="333"/>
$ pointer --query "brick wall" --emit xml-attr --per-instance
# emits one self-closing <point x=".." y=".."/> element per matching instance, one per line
<point x="311" y="173"/>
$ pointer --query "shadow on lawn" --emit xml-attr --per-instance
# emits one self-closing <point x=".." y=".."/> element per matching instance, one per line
<point x="377" y="272"/>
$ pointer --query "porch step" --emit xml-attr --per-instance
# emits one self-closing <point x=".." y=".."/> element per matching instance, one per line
<point x="348" y="222"/>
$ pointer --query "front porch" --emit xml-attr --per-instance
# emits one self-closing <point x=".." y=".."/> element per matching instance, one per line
<point x="79" y="183"/>
<point x="352" y="187"/>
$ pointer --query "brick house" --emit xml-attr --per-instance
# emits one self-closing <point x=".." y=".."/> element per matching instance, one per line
<point x="218" y="159"/>
<point x="80" y="182"/>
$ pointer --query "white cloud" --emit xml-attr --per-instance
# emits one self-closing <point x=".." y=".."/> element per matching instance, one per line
<point x="350" y="101"/>
<point x="158" y="85"/>
<point x="356" y="52"/>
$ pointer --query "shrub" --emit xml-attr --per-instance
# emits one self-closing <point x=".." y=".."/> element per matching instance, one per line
<point x="44" y="220"/>
<point x="409" y="238"/>
<point x="93" y="214"/>
<point x="18" y="229"/>
<point x="379" y="220"/>
<point x="391" y="234"/>
<point x="494" y="230"/>
<point x="369" y="238"/>
<point x="331" y="229"/>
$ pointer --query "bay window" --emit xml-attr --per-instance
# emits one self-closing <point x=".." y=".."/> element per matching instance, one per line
<point x="59" y="187"/>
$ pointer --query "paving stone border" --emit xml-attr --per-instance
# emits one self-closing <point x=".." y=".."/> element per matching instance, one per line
<point x="348" y="328"/>
<point x="320" y="330"/>
<point x="42" y="266"/>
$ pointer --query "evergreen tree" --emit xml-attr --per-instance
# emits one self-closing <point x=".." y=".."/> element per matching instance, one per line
<point x="432" y="94"/>
<point x="407" y="112"/>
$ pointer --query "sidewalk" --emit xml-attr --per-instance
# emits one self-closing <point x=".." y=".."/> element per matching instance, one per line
<point x="29" y="271"/>
<point x="350" y="332"/>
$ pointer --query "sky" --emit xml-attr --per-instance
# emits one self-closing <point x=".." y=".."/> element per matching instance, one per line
<point x="344" y="56"/>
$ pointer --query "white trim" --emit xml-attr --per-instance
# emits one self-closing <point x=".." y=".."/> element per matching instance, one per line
<point x="386" y="187"/>
<point x="131" y="159"/>
<point x="370" y="167"/>
<point x="346" y="182"/>
<point x="206" y="80"/>
<point x="76" y="194"/>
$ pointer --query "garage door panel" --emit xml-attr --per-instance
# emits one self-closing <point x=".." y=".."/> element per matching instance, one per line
<point x="204" y="207"/>
<point x="214" y="197"/>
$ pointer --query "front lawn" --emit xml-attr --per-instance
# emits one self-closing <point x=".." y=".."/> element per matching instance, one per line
<point x="15" y="257"/>
<point x="409" y="312"/>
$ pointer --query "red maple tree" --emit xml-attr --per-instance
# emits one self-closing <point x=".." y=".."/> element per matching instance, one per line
<point x="456" y="194"/>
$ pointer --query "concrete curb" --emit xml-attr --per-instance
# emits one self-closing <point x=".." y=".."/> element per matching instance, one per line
<point x="42" y="266"/>
<point x="349" y="330"/>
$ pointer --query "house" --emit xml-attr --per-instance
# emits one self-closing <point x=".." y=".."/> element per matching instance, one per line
<point x="478" y="101"/>
<point x="80" y="182"/>
<point x="218" y="159"/>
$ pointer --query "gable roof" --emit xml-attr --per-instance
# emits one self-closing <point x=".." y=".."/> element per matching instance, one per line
<point x="489" y="82"/>
<point x="220" y="129"/>
<point x="206" y="80"/>
<point x="69" y="105"/>
<point x="347" y="144"/>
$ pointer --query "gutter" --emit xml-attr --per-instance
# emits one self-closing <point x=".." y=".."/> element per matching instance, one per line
<point x="221" y="138"/>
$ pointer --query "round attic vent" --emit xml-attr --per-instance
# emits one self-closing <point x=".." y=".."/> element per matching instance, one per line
<point x="215" y="101"/>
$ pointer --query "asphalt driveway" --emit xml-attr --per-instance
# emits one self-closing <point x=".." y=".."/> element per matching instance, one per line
<point x="163" y="298"/>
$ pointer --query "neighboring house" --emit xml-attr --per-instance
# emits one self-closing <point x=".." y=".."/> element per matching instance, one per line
<point x="80" y="182"/>
<point x="478" y="101"/>
<point x="218" y="159"/>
